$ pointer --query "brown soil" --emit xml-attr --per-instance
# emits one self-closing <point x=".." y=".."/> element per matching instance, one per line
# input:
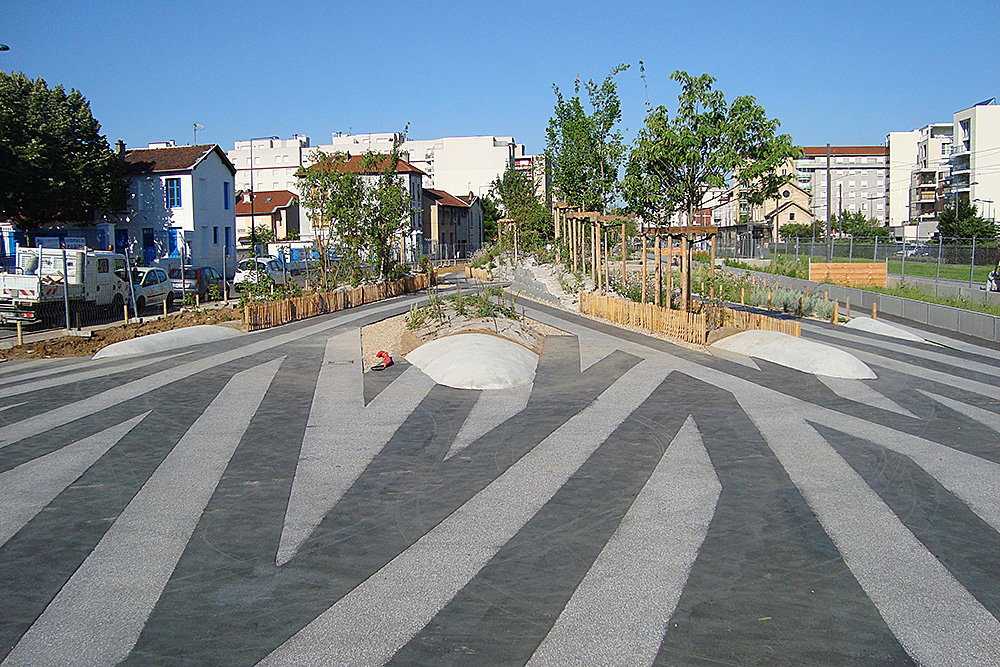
<point x="81" y="346"/>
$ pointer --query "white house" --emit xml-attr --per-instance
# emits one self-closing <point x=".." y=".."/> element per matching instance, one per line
<point x="181" y="206"/>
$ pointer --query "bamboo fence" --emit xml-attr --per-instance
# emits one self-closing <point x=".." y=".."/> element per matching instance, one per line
<point x="258" y="316"/>
<point x="690" y="327"/>
<point x="482" y="275"/>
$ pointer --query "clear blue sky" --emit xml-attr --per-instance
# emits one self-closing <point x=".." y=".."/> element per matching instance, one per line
<point x="839" y="72"/>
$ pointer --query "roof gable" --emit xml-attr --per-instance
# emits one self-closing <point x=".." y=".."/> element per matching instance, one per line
<point x="355" y="164"/>
<point x="787" y="205"/>
<point x="266" y="202"/>
<point x="171" y="159"/>
<point x="442" y="198"/>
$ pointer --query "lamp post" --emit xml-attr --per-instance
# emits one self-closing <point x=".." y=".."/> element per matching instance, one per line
<point x="253" y="232"/>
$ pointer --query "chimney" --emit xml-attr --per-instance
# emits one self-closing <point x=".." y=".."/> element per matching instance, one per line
<point x="119" y="147"/>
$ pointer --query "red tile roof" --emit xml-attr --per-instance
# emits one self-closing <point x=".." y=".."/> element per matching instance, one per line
<point x="846" y="150"/>
<point x="445" y="199"/>
<point x="355" y="163"/>
<point x="266" y="202"/>
<point x="173" y="158"/>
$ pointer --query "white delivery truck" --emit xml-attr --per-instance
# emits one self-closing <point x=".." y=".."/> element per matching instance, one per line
<point x="34" y="291"/>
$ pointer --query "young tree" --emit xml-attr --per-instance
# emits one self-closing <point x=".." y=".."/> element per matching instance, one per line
<point x="385" y="210"/>
<point x="858" y="225"/>
<point x="677" y="159"/>
<point x="584" y="150"/>
<point x="54" y="163"/>
<point x="961" y="222"/>
<point x="491" y="214"/>
<point x="516" y="194"/>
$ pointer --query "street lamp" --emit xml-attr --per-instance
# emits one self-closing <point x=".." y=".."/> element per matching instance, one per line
<point x="253" y="232"/>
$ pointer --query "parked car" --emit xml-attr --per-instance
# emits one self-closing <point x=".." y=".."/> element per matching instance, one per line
<point x="251" y="269"/>
<point x="197" y="280"/>
<point x="150" y="286"/>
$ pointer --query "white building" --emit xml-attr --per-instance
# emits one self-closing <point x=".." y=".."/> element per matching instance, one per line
<point x="975" y="159"/>
<point x="465" y="165"/>
<point x="857" y="179"/>
<point x="902" y="151"/>
<point x="918" y="173"/>
<point x="181" y="205"/>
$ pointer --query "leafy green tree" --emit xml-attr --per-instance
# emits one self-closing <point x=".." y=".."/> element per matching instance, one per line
<point x="516" y="194"/>
<point x="364" y="210"/>
<point x="676" y="160"/>
<point x="858" y="225"/>
<point x="263" y="234"/>
<point x="958" y="223"/>
<point x="802" y="230"/>
<point x="585" y="150"/>
<point x="54" y="163"/>
<point x="491" y="214"/>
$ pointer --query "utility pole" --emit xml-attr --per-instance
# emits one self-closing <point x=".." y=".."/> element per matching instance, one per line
<point x="829" y="201"/>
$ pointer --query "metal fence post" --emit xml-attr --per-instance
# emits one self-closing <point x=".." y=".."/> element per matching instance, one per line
<point x="940" y="248"/>
<point x="972" y="263"/>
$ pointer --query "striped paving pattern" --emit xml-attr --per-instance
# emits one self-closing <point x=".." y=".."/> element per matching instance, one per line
<point x="261" y="501"/>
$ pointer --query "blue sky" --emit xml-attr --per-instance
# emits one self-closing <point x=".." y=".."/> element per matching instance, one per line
<point x="839" y="72"/>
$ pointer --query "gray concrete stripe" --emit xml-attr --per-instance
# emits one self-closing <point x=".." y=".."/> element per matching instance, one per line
<point x="12" y="405"/>
<point x="929" y="336"/>
<point x="932" y="615"/>
<point x="342" y="436"/>
<point x="618" y="613"/>
<point x="29" y="487"/>
<point x="984" y="417"/>
<point x="83" y="376"/>
<point x="96" y="618"/>
<point x="859" y="392"/>
<point x="971" y="478"/>
<point x="368" y="625"/>
<point x="493" y="408"/>
<point x="63" y="415"/>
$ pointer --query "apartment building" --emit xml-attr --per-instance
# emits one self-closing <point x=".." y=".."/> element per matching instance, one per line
<point x="975" y="157"/>
<point x="857" y="175"/>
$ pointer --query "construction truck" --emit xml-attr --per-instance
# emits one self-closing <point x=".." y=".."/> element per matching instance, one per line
<point x="44" y="280"/>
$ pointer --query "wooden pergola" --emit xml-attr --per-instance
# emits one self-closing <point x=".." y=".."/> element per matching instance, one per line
<point x="689" y="236"/>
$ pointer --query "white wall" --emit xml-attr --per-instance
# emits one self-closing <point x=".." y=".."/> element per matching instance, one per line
<point x="902" y="161"/>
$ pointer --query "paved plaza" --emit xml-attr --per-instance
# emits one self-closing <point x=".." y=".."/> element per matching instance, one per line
<point x="260" y="501"/>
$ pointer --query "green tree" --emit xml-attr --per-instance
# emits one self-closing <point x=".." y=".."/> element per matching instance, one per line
<point x="385" y="210"/>
<point x="802" y="230"/>
<point x="676" y="160"/>
<point x="54" y="163"/>
<point x="585" y="150"/>
<point x="491" y="214"/>
<point x="958" y="223"/>
<point x="516" y="194"/>
<point x="858" y="225"/>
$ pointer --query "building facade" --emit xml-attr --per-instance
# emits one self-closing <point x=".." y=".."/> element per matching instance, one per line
<point x="857" y="174"/>
<point x="275" y="210"/>
<point x="975" y="157"/>
<point x="181" y="207"/>
<point x="452" y="226"/>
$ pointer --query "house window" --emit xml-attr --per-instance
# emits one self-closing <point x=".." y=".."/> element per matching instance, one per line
<point x="225" y="196"/>
<point x="215" y="235"/>
<point x="173" y="192"/>
<point x="791" y="215"/>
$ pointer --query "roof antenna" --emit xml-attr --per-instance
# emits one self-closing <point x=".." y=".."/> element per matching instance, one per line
<point x="196" y="128"/>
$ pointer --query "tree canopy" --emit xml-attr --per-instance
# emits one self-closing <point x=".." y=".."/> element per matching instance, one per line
<point x="858" y="225"/>
<point x="706" y="144"/>
<point x="961" y="222"/>
<point x="585" y="150"/>
<point x="54" y="163"/>
<point x="363" y="211"/>
<point x="516" y="194"/>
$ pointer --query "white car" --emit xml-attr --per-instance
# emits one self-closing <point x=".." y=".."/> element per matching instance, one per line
<point x="250" y="270"/>
<point x="151" y="286"/>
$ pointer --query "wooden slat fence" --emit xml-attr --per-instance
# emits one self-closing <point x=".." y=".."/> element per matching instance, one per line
<point x="849" y="273"/>
<point x="690" y="327"/>
<point x="746" y="320"/>
<point x="264" y="315"/>
<point x="482" y="275"/>
<point x="686" y="326"/>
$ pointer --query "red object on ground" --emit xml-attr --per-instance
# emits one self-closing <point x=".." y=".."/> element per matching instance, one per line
<point x="386" y="359"/>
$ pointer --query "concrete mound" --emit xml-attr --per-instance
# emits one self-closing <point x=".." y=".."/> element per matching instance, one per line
<point x="881" y="328"/>
<point x="803" y="355"/>
<point x="475" y="361"/>
<point x="167" y="340"/>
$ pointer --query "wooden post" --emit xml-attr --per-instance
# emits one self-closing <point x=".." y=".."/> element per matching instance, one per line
<point x="658" y="268"/>
<point x="164" y="307"/>
<point x="246" y="317"/>
<point x="711" y="269"/>
<point x="20" y="334"/>
<point x="643" y="267"/>
<point x="835" y="318"/>
<point x="670" y="271"/>
<point x="623" y="256"/>
<point x="685" y="274"/>
<point x="197" y="301"/>
<point x="875" y="310"/>
<point x="769" y="300"/>
<point x="125" y="307"/>
<point x="847" y="308"/>
<point x="800" y="306"/>
<point x="743" y="297"/>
